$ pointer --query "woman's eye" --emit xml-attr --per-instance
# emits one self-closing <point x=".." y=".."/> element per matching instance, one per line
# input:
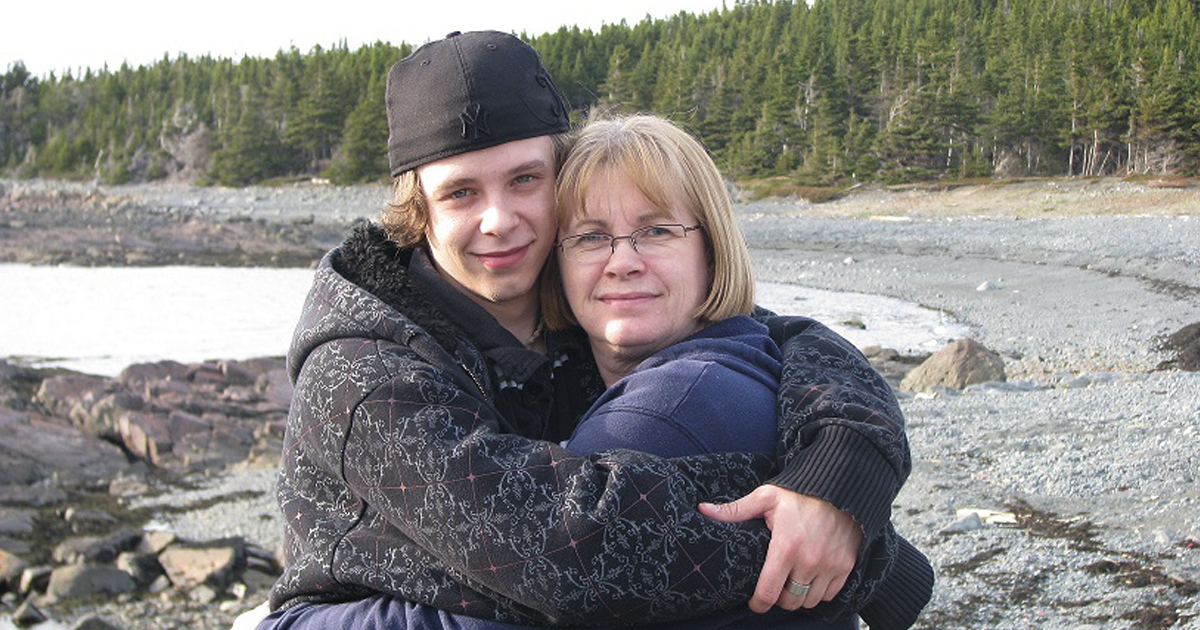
<point x="593" y="239"/>
<point x="459" y="194"/>
<point x="659" y="233"/>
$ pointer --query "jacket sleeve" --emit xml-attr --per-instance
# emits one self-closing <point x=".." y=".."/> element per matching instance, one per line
<point x="841" y="430"/>
<point x="841" y="439"/>
<point x="564" y="539"/>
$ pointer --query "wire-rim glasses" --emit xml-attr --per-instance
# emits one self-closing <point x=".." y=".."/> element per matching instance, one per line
<point x="651" y="240"/>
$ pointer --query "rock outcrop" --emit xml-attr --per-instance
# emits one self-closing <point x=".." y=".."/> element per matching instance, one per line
<point x="74" y="449"/>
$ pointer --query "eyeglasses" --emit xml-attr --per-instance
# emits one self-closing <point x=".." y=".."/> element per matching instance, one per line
<point x="652" y="240"/>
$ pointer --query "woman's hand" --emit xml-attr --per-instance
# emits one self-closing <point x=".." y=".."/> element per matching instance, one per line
<point x="812" y="543"/>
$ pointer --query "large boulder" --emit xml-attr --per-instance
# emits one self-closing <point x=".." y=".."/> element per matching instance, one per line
<point x="961" y="363"/>
<point x="215" y="563"/>
<point x="92" y="403"/>
<point x="33" y="449"/>
<point x="85" y="580"/>
<point x="137" y="375"/>
<point x="1184" y="344"/>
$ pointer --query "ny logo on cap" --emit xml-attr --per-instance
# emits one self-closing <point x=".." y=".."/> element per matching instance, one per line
<point x="474" y="122"/>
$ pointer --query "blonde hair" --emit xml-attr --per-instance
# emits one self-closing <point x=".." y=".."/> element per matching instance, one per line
<point x="668" y="166"/>
<point x="405" y="218"/>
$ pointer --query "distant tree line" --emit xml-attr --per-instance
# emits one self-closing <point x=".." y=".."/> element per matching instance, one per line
<point x="828" y="92"/>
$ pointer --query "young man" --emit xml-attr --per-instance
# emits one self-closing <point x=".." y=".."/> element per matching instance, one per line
<point x="414" y="466"/>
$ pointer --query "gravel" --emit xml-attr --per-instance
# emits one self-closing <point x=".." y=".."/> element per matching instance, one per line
<point x="1092" y="452"/>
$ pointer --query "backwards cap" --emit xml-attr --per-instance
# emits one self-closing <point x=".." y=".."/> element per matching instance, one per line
<point x="467" y="92"/>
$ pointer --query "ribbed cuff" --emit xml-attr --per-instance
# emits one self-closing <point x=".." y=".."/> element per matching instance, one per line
<point x="846" y="469"/>
<point x="904" y="592"/>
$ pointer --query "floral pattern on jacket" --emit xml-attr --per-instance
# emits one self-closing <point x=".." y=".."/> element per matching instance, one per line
<point x="397" y="478"/>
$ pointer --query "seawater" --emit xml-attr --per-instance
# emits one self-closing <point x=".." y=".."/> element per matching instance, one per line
<point x="98" y="320"/>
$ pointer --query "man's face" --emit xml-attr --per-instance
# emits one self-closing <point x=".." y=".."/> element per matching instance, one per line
<point x="491" y="219"/>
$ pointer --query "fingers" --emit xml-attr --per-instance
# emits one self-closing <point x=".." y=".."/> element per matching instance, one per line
<point x="796" y="594"/>
<point x="818" y="591"/>
<point x="771" y="579"/>
<point x="812" y="543"/>
<point x="751" y="506"/>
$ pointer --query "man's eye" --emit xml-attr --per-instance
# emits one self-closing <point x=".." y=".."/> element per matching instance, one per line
<point x="525" y="179"/>
<point x="459" y="194"/>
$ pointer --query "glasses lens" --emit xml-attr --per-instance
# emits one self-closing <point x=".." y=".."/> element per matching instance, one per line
<point x="651" y="240"/>
<point x="658" y="235"/>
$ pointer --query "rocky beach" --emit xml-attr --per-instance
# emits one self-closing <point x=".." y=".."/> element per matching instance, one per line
<point x="1056" y="479"/>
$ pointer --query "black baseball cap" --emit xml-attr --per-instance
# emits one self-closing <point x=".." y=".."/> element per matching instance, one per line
<point x="467" y="92"/>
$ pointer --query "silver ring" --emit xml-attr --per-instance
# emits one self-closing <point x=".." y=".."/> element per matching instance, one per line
<point x="796" y="588"/>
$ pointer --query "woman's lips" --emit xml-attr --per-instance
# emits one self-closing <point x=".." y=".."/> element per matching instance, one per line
<point x="626" y="299"/>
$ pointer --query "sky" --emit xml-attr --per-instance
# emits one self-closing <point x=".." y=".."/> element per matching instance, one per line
<point x="57" y="36"/>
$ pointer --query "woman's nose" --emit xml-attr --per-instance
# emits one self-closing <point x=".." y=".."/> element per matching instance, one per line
<point x="624" y="259"/>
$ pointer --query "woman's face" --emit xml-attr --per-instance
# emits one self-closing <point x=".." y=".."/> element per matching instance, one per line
<point x="634" y="303"/>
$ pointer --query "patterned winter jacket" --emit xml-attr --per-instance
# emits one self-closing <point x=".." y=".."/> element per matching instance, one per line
<point x="399" y="476"/>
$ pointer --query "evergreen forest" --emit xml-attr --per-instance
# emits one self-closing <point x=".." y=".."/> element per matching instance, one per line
<point x="830" y="92"/>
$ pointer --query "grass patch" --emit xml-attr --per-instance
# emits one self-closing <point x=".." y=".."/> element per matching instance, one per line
<point x="1163" y="181"/>
<point x="786" y="187"/>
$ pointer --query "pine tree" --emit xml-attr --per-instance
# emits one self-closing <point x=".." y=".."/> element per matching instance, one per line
<point x="363" y="152"/>
<point x="251" y="153"/>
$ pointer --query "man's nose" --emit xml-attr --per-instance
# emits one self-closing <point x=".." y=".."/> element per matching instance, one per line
<point x="497" y="218"/>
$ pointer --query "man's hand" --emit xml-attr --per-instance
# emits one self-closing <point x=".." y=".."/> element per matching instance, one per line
<point x="812" y="542"/>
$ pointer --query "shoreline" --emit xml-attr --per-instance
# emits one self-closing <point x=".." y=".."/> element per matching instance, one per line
<point x="1081" y="470"/>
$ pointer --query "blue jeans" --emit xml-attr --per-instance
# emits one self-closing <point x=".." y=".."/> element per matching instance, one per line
<point x="381" y="612"/>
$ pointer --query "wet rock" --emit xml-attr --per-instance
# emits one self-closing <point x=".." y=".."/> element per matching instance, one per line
<point x="84" y="440"/>
<point x="138" y="375"/>
<point x="961" y="363"/>
<point x="237" y="374"/>
<point x="224" y="445"/>
<point x="178" y="417"/>
<point x="146" y="435"/>
<point x="78" y="517"/>
<point x="39" y="495"/>
<point x="215" y="563"/>
<point x="33" y="449"/>
<point x="206" y="373"/>
<point x="85" y="580"/>
<point x="73" y="396"/>
<point x="892" y="365"/>
<point x="14" y="521"/>
<point x="144" y="568"/>
<point x="95" y="549"/>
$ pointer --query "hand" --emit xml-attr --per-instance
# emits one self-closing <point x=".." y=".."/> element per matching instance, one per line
<point x="812" y="542"/>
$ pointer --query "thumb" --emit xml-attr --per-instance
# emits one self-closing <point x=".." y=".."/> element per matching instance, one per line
<point x="751" y="506"/>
